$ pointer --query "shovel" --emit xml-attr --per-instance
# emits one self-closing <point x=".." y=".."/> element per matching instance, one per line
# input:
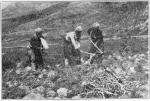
<point x="96" y="46"/>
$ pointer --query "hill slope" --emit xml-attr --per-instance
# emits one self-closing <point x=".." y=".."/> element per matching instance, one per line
<point x="115" y="18"/>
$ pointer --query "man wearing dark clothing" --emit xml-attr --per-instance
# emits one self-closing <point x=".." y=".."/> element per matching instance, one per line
<point x="97" y="38"/>
<point x="35" y="49"/>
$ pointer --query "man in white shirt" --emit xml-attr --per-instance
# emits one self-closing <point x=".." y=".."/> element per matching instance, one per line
<point x="72" y="45"/>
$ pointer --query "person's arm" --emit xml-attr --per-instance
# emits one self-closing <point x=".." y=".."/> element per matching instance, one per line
<point x="91" y="35"/>
<point x="74" y="42"/>
<point x="89" y="31"/>
<point x="100" y="36"/>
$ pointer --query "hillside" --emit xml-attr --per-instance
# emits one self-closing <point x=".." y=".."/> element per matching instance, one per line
<point x="27" y="14"/>
<point x="16" y="9"/>
<point x="113" y="17"/>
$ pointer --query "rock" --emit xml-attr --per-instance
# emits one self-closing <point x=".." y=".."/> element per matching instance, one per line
<point x="118" y="57"/>
<point x="44" y="71"/>
<point x="40" y="76"/>
<point x="105" y="62"/>
<point x="139" y="68"/>
<point x="132" y="70"/>
<point x="15" y="83"/>
<point x="26" y="88"/>
<point x="50" y="98"/>
<point x="127" y="64"/>
<point x="19" y="64"/>
<point x="118" y="70"/>
<point x="57" y="98"/>
<point x="51" y="93"/>
<point x="18" y="71"/>
<point x="129" y="57"/>
<point x="51" y="74"/>
<point x="142" y="55"/>
<point x="110" y="57"/>
<point x="83" y="83"/>
<point x="58" y="65"/>
<point x="62" y="92"/>
<point x="48" y="66"/>
<point x="40" y="89"/>
<point x="28" y="68"/>
<point x="33" y="96"/>
<point x="9" y="84"/>
<point x="76" y="97"/>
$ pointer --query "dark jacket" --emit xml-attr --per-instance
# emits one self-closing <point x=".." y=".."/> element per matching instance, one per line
<point x="95" y="34"/>
<point x="36" y="46"/>
<point x="35" y="43"/>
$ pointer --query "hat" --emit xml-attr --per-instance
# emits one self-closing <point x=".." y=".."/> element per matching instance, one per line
<point x="78" y="28"/>
<point x="96" y="24"/>
<point x="38" y="30"/>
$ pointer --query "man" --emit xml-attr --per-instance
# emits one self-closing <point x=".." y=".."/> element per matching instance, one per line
<point x="35" y="49"/>
<point x="96" y="39"/>
<point x="72" y="45"/>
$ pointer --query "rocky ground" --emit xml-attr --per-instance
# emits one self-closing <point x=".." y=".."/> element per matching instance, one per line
<point x="115" y="77"/>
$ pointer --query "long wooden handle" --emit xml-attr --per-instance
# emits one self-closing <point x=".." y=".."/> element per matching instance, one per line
<point x="87" y="52"/>
<point x="96" y="46"/>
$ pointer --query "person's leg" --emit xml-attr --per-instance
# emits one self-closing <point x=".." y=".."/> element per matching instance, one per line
<point x="32" y="57"/>
<point x="99" y="56"/>
<point x="92" y="50"/>
<point x="67" y="53"/>
<point x="40" y="62"/>
<point x="38" y="58"/>
<point x="78" y="55"/>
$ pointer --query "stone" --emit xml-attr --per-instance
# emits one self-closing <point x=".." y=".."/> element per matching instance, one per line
<point x="51" y="74"/>
<point x="33" y="96"/>
<point x="40" y="89"/>
<point x="28" y="68"/>
<point x="40" y="76"/>
<point x="76" y="97"/>
<point x="62" y="92"/>
<point x="51" y="93"/>
<point x="18" y="71"/>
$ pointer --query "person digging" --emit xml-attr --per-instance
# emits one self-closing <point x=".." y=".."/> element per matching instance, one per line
<point x="96" y="43"/>
<point x="72" y="45"/>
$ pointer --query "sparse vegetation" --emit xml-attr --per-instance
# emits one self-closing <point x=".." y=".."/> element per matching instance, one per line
<point x="122" y="72"/>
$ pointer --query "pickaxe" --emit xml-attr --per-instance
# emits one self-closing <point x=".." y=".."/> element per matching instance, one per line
<point x="96" y="46"/>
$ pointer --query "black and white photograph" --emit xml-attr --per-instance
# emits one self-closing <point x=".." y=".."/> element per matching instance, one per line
<point x="74" y="50"/>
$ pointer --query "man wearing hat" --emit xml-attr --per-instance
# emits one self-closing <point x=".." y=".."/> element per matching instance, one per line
<point x="72" y="45"/>
<point x="35" y="47"/>
<point x="96" y="39"/>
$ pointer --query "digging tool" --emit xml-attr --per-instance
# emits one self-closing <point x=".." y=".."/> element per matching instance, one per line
<point x="91" y="55"/>
<point x="96" y="46"/>
<point x="87" y="52"/>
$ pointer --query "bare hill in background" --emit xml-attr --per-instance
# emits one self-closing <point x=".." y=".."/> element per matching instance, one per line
<point x="115" y="18"/>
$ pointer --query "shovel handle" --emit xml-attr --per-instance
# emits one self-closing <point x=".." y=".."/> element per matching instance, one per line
<point x="96" y="46"/>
